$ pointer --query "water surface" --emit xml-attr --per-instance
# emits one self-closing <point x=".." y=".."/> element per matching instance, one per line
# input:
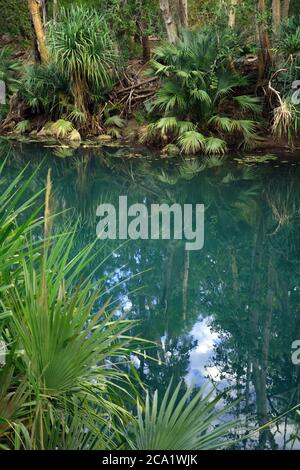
<point x="226" y="315"/>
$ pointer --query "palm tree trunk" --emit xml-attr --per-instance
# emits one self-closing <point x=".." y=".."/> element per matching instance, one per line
<point x="183" y="13"/>
<point x="169" y="20"/>
<point x="276" y="14"/>
<point x="232" y="13"/>
<point x="35" y="12"/>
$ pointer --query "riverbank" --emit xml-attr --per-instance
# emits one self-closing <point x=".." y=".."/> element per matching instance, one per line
<point x="122" y="151"/>
<point x="137" y="150"/>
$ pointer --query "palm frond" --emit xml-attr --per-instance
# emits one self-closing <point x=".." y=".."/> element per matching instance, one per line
<point x="249" y="103"/>
<point x="115" y="121"/>
<point x="180" y="423"/>
<point x="192" y="142"/>
<point x="215" y="146"/>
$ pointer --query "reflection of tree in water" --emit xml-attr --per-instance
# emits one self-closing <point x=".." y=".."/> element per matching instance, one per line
<point x="245" y="280"/>
<point x="257" y="304"/>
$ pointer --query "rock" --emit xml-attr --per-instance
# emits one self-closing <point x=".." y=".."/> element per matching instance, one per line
<point x="171" y="150"/>
<point x="104" y="138"/>
<point x="74" y="136"/>
<point x="46" y="130"/>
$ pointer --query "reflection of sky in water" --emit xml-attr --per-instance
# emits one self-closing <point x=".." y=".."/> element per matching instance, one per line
<point x="200" y="371"/>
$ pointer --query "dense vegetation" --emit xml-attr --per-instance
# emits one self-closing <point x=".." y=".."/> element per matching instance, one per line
<point x="188" y="77"/>
<point x="222" y="76"/>
<point x="64" y="385"/>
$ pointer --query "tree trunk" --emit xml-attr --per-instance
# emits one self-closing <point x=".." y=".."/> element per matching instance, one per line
<point x="232" y="13"/>
<point x="167" y="276"/>
<point x="146" y="48"/>
<point x="54" y="11"/>
<point x="35" y="12"/>
<point x="185" y="283"/>
<point x="276" y="14"/>
<point x="183" y="13"/>
<point x="265" y="48"/>
<point x="44" y="11"/>
<point x="35" y="49"/>
<point x="285" y="8"/>
<point x="143" y="38"/>
<point x="169" y="20"/>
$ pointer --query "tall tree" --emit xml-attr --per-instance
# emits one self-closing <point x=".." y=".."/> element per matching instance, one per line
<point x="285" y="8"/>
<point x="55" y="10"/>
<point x="44" y="7"/>
<point x="265" y="47"/>
<point x="276" y="14"/>
<point x="165" y="6"/>
<point x="35" y="12"/>
<point x="232" y="13"/>
<point x="183" y="13"/>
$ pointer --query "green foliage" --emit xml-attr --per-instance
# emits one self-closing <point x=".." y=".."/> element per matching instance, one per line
<point x="289" y="38"/>
<point x="61" y="128"/>
<point x="179" y="423"/>
<point x="14" y="19"/>
<point x="62" y="386"/>
<point x="128" y="20"/>
<point x="285" y="123"/>
<point x="57" y="310"/>
<point x="45" y="89"/>
<point x="83" y="52"/>
<point x="115" y="121"/>
<point x="192" y="142"/>
<point x="83" y="65"/>
<point x="9" y="71"/>
<point x="13" y="231"/>
<point x="200" y="94"/>
<point x="22" y="127"/>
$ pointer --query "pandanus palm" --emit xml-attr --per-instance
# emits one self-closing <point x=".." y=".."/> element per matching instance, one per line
<point x="82" y="48"/>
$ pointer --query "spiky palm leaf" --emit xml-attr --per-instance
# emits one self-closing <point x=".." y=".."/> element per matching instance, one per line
<point x="115" y="121"/>
<point x="215" y="146"/>
<point x="249" y="103"/>
<point x="61" y="128"/>
<point x="198" y="83"/>
<point x="22" y="127"/>
<point x="82" y="51"/>
<point x="180" y="423"/>
<point x="192" y="142"/>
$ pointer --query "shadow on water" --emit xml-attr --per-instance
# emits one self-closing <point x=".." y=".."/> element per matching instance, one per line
<point x="227" y="314"/>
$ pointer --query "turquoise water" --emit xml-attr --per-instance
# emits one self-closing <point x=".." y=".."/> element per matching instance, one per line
<point x="225" y="316"/>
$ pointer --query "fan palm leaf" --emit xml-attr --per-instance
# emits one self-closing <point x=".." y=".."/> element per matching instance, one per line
<point x="180" y="423"/>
